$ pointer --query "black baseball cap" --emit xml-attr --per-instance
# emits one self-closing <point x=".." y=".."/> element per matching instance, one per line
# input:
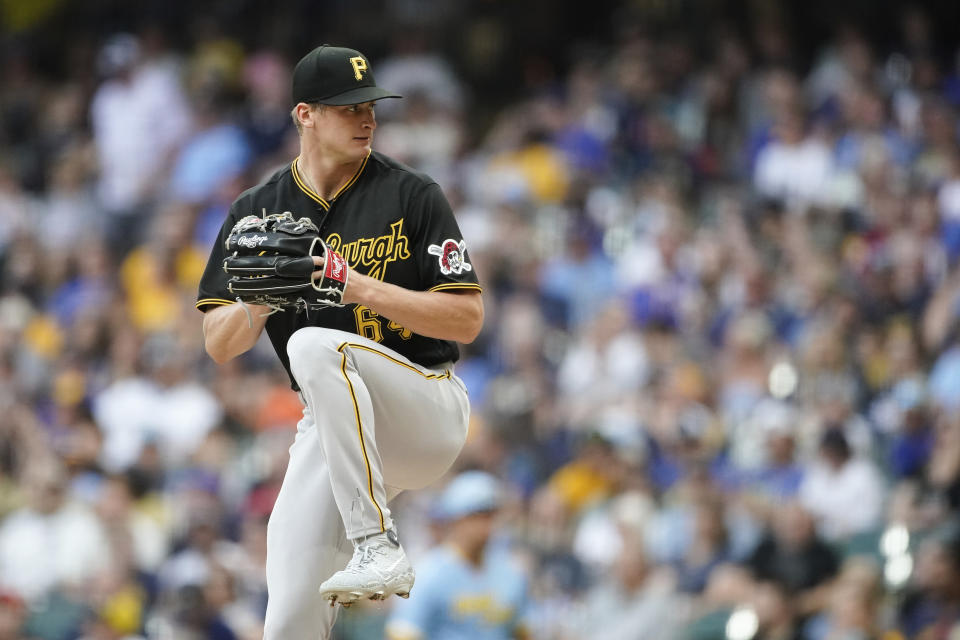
<point x="337" y="76"/>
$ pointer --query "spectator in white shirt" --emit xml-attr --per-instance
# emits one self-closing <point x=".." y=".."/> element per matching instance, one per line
<point x="139" y="117"/>
<point x="843" y="492"/>
<point x="53" y="541"/>
<point x="794" y="168"/>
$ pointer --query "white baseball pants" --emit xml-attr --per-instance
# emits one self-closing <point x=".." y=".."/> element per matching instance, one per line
<point x="374" y="424"/>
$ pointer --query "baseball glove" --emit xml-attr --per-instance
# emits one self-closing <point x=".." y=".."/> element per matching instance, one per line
<point x="270" y="260"/>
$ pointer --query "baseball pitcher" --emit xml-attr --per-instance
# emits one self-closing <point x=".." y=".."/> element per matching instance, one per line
<point x="355" y="266"/>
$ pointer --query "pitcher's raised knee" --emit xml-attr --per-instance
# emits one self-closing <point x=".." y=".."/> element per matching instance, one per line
<point x="312" y="346"/>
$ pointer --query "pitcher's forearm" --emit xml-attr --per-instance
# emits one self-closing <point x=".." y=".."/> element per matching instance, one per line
<point x="435" y="314"/>
<point x="227" y="330"/>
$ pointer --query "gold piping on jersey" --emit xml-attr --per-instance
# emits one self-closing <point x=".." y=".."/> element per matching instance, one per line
<point x="313" y="194"/>
<point x="446" y="286"/>
<point x="363" y="446"/>
<point x="353" y="179"/>
<point x="303" y="185"/>
<point x="214" y="301"/>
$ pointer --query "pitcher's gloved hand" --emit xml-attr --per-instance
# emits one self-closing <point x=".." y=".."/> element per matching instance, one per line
<point x="271" y="263"/>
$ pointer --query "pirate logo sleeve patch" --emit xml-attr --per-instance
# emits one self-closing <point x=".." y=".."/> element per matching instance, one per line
<point x="452" y="256"/>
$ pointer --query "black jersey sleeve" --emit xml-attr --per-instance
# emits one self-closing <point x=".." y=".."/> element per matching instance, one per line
<point x="213" y="284"/>
<point x="441" y="252"/>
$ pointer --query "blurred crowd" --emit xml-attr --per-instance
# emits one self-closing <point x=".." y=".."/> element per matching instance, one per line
<point x="719" y="380"/>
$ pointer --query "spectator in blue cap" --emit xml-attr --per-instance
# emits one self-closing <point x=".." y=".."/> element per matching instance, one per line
<point x="466" y="588"/>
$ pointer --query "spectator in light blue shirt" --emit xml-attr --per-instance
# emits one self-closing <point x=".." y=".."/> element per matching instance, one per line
<point x="467" y="589"/>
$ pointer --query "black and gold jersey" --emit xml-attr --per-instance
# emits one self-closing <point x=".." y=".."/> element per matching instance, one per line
<point x="389" y="222"/>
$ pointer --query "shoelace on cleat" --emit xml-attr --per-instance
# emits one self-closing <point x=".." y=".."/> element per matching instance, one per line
<point x="363" y="554"/>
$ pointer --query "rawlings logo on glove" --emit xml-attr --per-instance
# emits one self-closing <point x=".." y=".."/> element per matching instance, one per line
<point x="251" y="242"/>
<point x="271" y="263"/>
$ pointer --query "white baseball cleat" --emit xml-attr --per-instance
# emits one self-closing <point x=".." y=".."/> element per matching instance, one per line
<point x="378" y="569"/>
